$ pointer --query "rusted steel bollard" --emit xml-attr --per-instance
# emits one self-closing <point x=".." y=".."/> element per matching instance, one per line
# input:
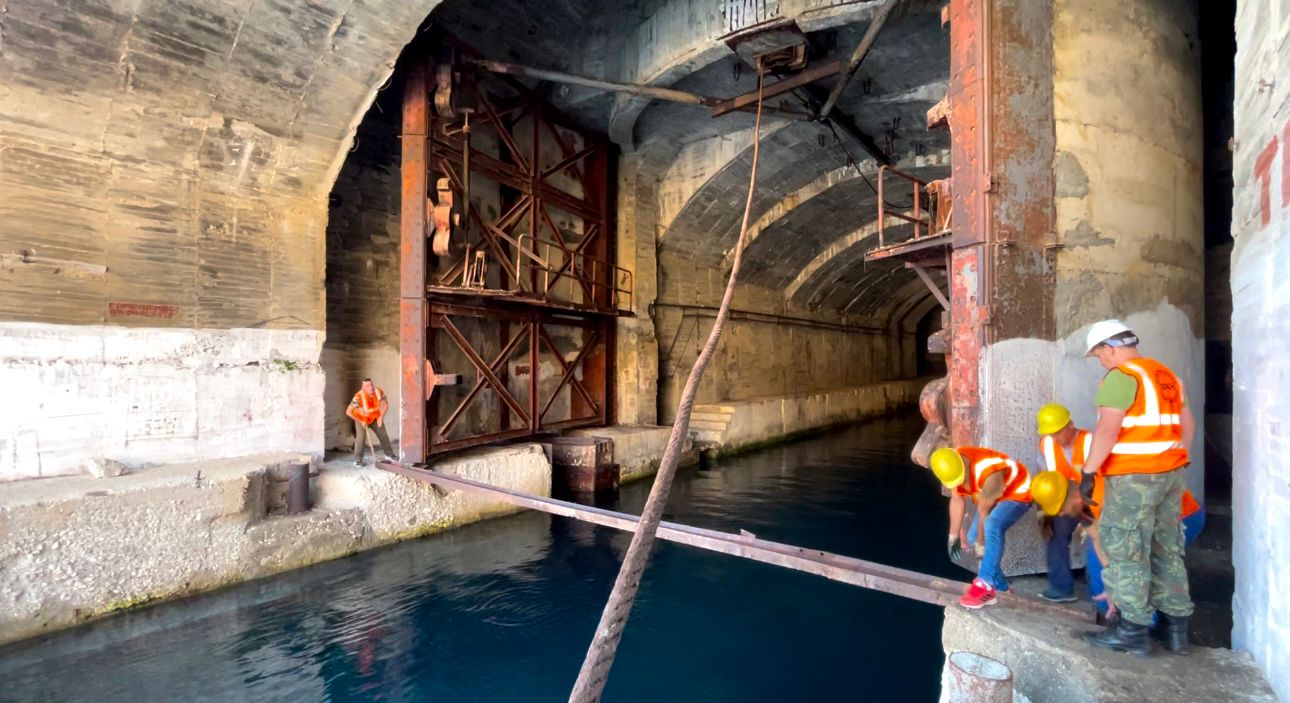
<point x="297" y="488"/>
<point x="972" y="678"/>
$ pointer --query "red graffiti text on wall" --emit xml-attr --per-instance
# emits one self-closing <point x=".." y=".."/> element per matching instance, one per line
<point x="1263" y="174"/>
<point x="141" y="310"/>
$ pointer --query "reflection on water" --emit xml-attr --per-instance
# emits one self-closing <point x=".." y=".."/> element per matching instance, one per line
<point x="503" y="610"/>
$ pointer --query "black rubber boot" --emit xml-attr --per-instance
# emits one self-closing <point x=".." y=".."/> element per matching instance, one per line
<point x="1123" y="636"/>
<point x="1172" y="632"/>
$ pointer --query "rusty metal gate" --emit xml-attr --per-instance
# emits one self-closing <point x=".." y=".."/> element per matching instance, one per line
<point x="509" y="292"/>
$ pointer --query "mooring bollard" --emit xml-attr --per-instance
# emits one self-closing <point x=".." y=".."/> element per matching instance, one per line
<point x="297" y="488"/>
<point x="972" y="678"/>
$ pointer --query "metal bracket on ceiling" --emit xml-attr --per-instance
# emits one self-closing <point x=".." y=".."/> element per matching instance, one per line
<point x="778" y="45"/>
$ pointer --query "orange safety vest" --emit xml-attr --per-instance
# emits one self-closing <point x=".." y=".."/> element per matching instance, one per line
<point x="1190" y="505"/>
<point x="368" y="407"/>
<point x="1056" y="458"/>
<point x="983" y="463"/>
<point x="1151" y="434"/>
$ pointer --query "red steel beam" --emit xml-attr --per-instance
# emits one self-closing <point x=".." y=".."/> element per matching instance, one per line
<point x="969" y="128"/>
<point x="412" y="265"/>
<point x="810" y="75"/>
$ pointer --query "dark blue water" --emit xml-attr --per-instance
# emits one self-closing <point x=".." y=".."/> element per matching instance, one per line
<point x="503" y="610"/>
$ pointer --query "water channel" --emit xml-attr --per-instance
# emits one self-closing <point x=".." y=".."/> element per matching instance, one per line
<point x="503" y="610"/>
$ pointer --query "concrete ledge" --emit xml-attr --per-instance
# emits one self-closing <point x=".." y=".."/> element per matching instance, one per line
<point x="638" y="449"/>
<point x="397" y="508"/>
<point x="758" y="421"/>
<point x="75" y="548"/>
<point x="1050" y="664"/>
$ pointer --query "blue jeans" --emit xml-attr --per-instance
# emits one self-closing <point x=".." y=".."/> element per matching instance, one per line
<point x="1058" y="551"/>
<point x="1005" y="514"/>
<point x="1191" y="526"/>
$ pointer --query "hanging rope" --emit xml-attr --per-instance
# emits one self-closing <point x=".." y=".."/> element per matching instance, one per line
<point x="600" y="655"/>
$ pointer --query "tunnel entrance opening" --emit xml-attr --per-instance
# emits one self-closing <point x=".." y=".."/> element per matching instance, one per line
<point x="472" y="244"/>
<point x="848" y="322"/>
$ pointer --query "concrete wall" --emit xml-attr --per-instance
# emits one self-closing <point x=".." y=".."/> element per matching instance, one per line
<point x="77" y="547"/>
<point x="164" y="169"/>
<point x="148" y="395"/>
<point x="749" y="423"/>
<point x="1129" y="183"/>
<point x="1126" y="102"/>
<point x="759" y="356"/>
<point x="1260" y="333"/>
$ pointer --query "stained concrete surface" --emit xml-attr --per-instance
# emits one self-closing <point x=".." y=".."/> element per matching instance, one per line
<point x="1040" y="641"/>
<point x="74" y="548"/>
<point x="1050" y="664"/>
<point x="638" y="449"/>
<point x="728" y="426"/>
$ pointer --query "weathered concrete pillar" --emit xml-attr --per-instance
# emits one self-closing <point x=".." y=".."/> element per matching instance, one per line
<point x="1101" y="217"/>
<point x="1077" y="197"/>
<point x="1130" y="237"/>
<point x="1001" y="124"/>
<point x="636" y="354"/>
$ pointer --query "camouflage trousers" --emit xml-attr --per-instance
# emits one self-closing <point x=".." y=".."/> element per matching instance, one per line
<point x="1143" y="539"/>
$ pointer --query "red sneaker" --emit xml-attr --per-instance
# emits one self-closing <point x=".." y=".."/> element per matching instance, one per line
<point x="979" y="595"/>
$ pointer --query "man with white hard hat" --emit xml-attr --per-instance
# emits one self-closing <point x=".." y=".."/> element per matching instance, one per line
<point x="1140" y="446"/>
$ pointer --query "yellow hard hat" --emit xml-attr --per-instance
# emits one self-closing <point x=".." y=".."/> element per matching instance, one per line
<point x="1052" y="418"/>
<point x="948" y="466"/>
<point x="1048" y="489"/>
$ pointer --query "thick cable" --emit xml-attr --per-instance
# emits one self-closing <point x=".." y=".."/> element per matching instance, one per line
<point x="604" y="645"/>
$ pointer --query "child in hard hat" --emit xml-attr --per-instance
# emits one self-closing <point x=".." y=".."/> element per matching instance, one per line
<point x="1063" y="447"/>
<point x="1000" y="487"/>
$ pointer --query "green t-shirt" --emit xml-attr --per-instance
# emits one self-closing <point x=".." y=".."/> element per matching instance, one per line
<point x="1118" y="390"/>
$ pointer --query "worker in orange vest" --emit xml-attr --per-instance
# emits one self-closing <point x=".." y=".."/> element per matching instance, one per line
<point x="367" y="409"/>
<point x="1193" y="521"/>
<point x="1000" y="487"/>
<point x="1140" y="445"/>
<point x="1056" y="494"/>
<point x="1062" y="446"/>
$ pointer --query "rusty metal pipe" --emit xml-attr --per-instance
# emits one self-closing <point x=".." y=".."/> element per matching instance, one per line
<point x="298" y="487"/>
<point x="836" y="567"/>
<point x="754" y="316"/>
<point x="857" y="572"/>
<point x="513" y="69"/>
